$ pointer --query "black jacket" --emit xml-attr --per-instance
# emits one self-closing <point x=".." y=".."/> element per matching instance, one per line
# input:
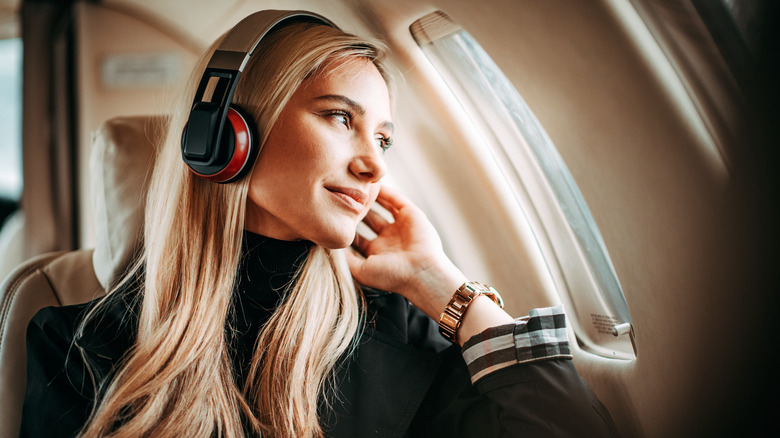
<point x="403" y="380"/>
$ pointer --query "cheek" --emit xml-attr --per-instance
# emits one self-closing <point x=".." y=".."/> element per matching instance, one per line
<point x="373" y="192"/>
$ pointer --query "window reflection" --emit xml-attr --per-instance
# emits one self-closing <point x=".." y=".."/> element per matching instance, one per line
<point x="11" y="118"/>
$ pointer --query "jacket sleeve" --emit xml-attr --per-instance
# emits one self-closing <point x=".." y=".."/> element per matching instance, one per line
<point x="59" y="388"/>
<point x="526" y="370"/>
<point x="519" y="381"/>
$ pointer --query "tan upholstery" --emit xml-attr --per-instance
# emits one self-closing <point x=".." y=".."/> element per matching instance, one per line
<point x="120" y="166"/>
<point x="11" y="243"/>
<point x="121" y="161"/>
<point x="54" y="279"/>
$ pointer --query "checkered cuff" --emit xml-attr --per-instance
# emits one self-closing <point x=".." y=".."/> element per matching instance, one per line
<point x="540" y="335"/>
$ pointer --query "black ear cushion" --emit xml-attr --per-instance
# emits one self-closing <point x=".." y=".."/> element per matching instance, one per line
<point x="239" y="141"/>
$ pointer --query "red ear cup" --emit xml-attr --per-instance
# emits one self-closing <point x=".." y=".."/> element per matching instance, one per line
<point x="219" y="142"/>
<point x="239" y="141"/>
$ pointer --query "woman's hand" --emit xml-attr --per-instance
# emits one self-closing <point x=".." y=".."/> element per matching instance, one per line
<point x="407" y="257"/>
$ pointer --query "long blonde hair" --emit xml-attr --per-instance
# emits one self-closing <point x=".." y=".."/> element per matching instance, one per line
<point x="177" y="379"/>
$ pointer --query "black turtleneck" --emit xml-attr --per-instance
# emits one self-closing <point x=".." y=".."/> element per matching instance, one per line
<point x="265" y="275"/>
<point x="58" y="372"/>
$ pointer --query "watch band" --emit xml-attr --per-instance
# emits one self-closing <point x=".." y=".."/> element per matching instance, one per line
<point x="452" y="317"/>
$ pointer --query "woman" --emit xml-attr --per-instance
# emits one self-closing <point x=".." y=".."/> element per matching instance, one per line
<point x="243" y="315"/>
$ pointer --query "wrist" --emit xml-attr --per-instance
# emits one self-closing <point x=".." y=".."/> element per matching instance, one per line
<point x="432" y="287"/>
<point x="482" y="314"/>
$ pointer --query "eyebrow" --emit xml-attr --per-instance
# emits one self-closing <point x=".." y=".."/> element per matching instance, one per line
<point x="354" y="107"/>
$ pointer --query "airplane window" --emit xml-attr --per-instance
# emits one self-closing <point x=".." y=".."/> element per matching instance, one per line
<point x="542" y="184"/>
<point x="11" y="119"/>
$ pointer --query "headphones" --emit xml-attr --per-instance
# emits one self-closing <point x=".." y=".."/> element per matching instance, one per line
<point x="219" y="142"/>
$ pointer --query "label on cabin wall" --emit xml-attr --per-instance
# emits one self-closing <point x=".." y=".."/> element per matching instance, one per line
<point x="603" y="323"/>
<point x="140" y="70"/>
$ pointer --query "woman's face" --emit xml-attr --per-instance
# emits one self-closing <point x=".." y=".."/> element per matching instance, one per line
<point x="319" y="171"/>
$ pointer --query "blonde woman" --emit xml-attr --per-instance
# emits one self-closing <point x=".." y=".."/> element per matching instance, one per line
<point x="248" y="314"/>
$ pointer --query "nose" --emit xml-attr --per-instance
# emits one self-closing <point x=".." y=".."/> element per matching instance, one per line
<point x="368" y="163"/>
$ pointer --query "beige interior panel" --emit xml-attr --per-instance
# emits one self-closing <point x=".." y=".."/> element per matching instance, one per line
<point x="103" y="33"/>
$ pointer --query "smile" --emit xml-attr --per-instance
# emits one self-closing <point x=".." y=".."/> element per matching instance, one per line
<point x="353" y="199"/>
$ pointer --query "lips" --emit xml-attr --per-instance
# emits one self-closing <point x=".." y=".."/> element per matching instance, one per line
<point x="355" y="199"/>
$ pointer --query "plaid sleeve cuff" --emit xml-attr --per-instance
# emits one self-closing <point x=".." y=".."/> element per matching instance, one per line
<point x="540" y="335"/>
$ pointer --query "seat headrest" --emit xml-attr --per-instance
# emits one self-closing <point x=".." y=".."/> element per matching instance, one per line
<point x="121" y="163"/>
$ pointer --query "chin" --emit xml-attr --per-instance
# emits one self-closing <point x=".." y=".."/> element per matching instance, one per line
<point x="337" y="243"/>
<point x="335" y="239"/>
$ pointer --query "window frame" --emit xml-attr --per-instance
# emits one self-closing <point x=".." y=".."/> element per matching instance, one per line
<point x="543" y="187"/>
<point x="11" y="181"/>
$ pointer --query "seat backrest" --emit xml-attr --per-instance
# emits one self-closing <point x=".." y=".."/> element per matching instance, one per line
<point x="122" y="156"/>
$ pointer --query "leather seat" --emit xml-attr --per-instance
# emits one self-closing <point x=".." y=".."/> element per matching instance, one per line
<point x="120" y="164"/>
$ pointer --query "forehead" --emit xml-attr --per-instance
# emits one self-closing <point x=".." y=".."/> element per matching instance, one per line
<point x="344" y="68"/>
<point x="355" y="78"/>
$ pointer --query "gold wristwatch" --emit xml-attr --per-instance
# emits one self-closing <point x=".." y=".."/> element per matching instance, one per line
<point x="452" y="317"/>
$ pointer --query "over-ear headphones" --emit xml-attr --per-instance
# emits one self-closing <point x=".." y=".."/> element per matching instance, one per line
<point x="213" y="152"/>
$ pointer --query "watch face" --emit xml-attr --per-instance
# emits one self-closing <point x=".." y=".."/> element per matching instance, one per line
<point x="496" y="297"/>
<point x="491" y="293"/>
<point x="487" y="290"/>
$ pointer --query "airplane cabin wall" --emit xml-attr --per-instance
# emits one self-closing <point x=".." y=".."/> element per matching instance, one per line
<point x="677" y="221"/>
<point x="674" y="217"/>
<point x="103" y="33"/>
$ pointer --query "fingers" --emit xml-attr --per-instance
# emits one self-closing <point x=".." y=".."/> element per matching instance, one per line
<point x="375" y="221"/>
<point x="360" y="244"/>
<point x="392" y="200"/>
<point x="355" y="263"/>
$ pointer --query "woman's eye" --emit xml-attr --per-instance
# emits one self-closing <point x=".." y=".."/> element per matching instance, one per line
<point x="342" y="117"/>
<point x="384" y="143"/>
